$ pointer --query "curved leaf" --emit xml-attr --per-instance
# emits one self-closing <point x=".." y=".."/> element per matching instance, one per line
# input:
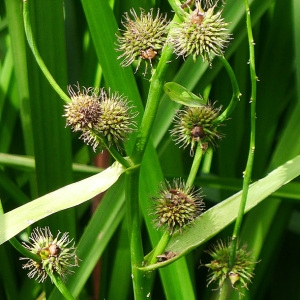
<point x="181" y="95"/>
<point x="71" y="195"/>
<point x="217" y="218"/>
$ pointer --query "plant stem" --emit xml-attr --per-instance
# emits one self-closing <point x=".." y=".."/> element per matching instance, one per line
<point x="115" y="153"/>
<point x="226" y="291"/>
<point x="26" y="253"/>
<point x="249" y="166"/>
<point x="236" y="94"/>
<point x="163" y="242"/>
<point x="160" y="247"/>
<point x="153" y="100"/>
<point x="154" y="96"/>
<point x="18" y="246"/>
<point x="39" y="60"/>
<point x="195" y="165"/>
<point x="176" y="6"/>
<point x="55" y="278"/>
<point x="141" y="284"/>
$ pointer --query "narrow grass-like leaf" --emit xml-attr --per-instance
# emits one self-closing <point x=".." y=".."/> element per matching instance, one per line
<point x="217" y="218"/>
<point x="103" y="28"/>
<point x="5" y="78"/>
<point x="8" y="276"/>
<point x="95" y="238"/>
<point x="181" y="95"/>
<point x="27" y="163"/>
<point x="17" y="37"/>
<point x="175" y="278"/>
<point x="74" y="194"/>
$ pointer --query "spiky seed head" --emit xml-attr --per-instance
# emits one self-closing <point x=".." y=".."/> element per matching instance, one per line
<point x="177" y="206"/>
<point x="83" y="111"/>
<point x="142" y="38"/>
<point x="117" y="119"/>
<point x="239" y="275"/>
<point x="203" y="33"/>
<point x="194" y="124"/>
<point x="57" y="255"/>
<point x="100" y="115"/>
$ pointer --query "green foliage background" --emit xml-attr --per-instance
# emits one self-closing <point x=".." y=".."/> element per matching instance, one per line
<point x="39" y="155"/>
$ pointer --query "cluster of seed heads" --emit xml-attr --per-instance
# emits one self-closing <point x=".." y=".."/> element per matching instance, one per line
<point x="202" y="33"/>
<point x="99" y="116"/>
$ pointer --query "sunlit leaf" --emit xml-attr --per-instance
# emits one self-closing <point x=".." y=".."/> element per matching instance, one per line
<point x="71" y="195"/>
<point x="217" y="218"/>
<point x="181" y="95"/>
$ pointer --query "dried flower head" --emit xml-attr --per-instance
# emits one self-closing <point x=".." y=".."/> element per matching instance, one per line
<point x="241" y="272"/>
<point x="195" y="124"/>
<point x="143" y="37"/>
<point x="202" y="33"/>
<point x="99" y="115"/>
<point x="55" y="253"/>
<point x="175" y="207"/>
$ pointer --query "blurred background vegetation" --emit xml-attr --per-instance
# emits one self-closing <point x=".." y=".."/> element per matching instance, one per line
<point x="37" y="153"/>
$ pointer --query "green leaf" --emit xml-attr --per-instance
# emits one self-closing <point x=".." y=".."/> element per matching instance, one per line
<point x="96" y="237"/>
<point x="217" y="218"/>
<point x="181" y="95"/>
<point x="71" y="195"/>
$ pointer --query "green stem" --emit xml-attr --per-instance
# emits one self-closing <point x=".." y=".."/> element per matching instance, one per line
<point x="18" y="246"/>
<point x="26" y="253"/>
<point x="195" y="165"/>
<point x="236" y="94"/>
<point x="160" y="247"/>
<point x="162" y="244"/>
<point x="115" y="153"/>
<point x="176" y="6"/>
<point x="55" y="278"/>
<point x="141" y="284"/>
<point x="39" y="60"/>
<point x="226" y="291"/>
<point x="250" y="160"/>
<point x="153" y="100"/>
<point x="154" y="96"/>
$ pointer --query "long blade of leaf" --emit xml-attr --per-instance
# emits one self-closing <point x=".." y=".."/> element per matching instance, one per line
<point x="71" y="195"/>
<point x="217" y="218"/>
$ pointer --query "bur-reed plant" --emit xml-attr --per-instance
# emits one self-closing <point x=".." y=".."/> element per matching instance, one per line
<point x="178" y="93"/>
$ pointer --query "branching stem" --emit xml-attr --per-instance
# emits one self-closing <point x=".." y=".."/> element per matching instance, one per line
<point x="250" y="160"/>
<point x="37" y="56"/>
